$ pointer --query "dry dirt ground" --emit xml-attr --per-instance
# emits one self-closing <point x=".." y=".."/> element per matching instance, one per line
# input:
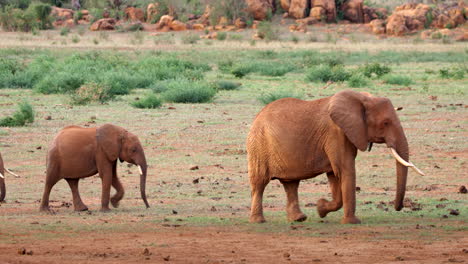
<point x="200" y="216"/>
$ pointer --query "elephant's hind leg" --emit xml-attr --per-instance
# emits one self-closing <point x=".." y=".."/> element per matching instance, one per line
<point x="77" y="202"/>
<point x="50" y="182"/>
<point x="259" y="179"/>
<point x="324" y="206"/>
<point x="292" y="207"/>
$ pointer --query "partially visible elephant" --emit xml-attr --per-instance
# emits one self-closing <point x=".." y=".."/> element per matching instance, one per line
<point x="2" y="179"/>
<point x="292" y="140"/>
<point x="78" y="152"/>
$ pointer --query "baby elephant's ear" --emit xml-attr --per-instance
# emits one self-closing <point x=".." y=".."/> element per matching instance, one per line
<point x="348" y="112"/>
<point x="109" y="140"/>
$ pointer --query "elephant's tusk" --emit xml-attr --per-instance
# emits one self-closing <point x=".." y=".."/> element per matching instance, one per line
<point x="1" y="176"/>
<point x="139" y="168"/>
<point x="404" y="162"/>
<point x="12" y="173"/>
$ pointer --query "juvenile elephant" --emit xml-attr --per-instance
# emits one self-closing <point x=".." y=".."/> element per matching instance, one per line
<point x="78" y="152"/>
<point x="293" y="140"/>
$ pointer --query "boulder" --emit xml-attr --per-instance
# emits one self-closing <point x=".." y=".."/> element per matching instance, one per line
<point x="378" y="26"/>
<point x="205" y="18"/>
<point x="198" y="26"/>
<point x="285" y="4"/>
<point x="408" y="18"/>
<point x="297" y="8"/>
<point x="61" y="13"/>
<point x="177" y="25"/>
<point x="353" y="10"/>
<point x="260" y="8"/>
<point x="318" y="13"/>
<point x="152" y="11"/>
<point x="134" y="14"/>
<point x="103" y="24"/>
<point x="329" y="7"/>
<point x="240" y="23"/>
<point x="165" y="21"/>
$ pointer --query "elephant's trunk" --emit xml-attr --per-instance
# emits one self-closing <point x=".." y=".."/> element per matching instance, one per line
<point x="143" y="169"/>
<point x="401" y="171"/>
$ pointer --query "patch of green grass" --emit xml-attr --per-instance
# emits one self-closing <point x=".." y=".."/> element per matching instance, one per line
<point x="269" y="97"/>
<point x="358" y="80"/>
<point x="227" y="85"/>
<point x="374" y="70"/>
<point x="190" y="38"/>
<point x="150" y="101"/>
<point x="455" y="72"/>
<point x="325" y="73"/>
<point x="24" y="115"/>
<point x="397" y="79"/>
<point x="188" y="91"/>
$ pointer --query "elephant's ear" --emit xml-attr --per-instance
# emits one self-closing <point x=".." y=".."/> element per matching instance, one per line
<point x="347" y="110"/>
<point x="109" y="140"/>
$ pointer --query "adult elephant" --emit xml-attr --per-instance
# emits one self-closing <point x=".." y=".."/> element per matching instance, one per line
<point x="78" y="152"/>
<point x="293" y="140"/>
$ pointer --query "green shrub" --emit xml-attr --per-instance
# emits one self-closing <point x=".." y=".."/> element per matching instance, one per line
<point x="190" y="38"/>
<point x="454" y="72"/>
<point x="91" y="92"/>
<point x="227" y="85"/>
<point x="374" y="70"/>
<point x="221" y="35"/>
<point x="96" y="14"/>
<point x="187" y="91"/>
<point x="266" y="31"/>
<point x="149" y="101"/>
<point x="240" y="71"/>
<point x="23" y="116"/>
<point x="313" y="58"/>
<point x="273" y="69"/>
<point x="15" y="19"/>
<point x="42" y="12"/>
<point x="397" y="79"/>
<point x="64" y="31"/>
<point x="358" y="80"/>
<point x="276" y="95"/>
<point x="325" y="73"/>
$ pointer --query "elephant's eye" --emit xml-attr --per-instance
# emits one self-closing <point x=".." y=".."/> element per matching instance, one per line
<point x="134" y="150"/>
<point x="386" y="123"/>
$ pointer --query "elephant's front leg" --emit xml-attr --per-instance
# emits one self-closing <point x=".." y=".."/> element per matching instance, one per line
<point x="118" y="187"/>
<point x="348" y="189"/>
<point x="105" y="172"/>
<point x="292" y="207"/>
<point x="324" y="206"/>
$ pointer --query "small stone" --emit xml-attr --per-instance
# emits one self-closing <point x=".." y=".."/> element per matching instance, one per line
<point x="462" y="189"/>
<point x="194" y="167"/>
<point x="196" y="181"/>
<point x="454" y="212"/>
<point x="399" y="258"/>
<point x="286" y="255"/>
<point x="213" y="209"/>
<point x="174" y="212"/>
<point x="146" y="252"/>
<point x="166" y="258"/>
<point x="48" y="117"/>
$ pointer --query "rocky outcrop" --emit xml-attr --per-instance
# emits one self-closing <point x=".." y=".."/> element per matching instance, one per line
<point x="353" y="10"/>
<point x="61" y="13"/>
<point x="152" y="11"/>
<point x="297" y="8"/>
<point x="177" y="25"/>
<point x="408" y="18"/>
<point x="449" y="16"/>
<point x="378" y="26"/>
<point x="260" y="8"/>
<point x="134" y="14"/>
<point x="325" y="8"/>
<point x="285" y="4"/>
<point x="103" y="24"/>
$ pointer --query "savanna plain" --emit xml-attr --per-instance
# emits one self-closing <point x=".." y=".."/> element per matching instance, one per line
<point x="197" y="182"/>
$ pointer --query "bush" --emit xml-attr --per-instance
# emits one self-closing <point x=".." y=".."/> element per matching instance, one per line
<point x="273" y="69"/>
<point x="91" y="92"/>
<point x="453" y="73"/>
<point x="325" y="73"/>
<point x="42" y="12"/>
<point x="265" y="31"/>
<point x="374" y="69"/>
<point x="23" y="116"/>
<point x="276" y="95"/>
<point x="14" y="19"/>
<point x="227" y="85"/>
<point x="397" y="79"/>
<point x="312" y="58"/>
<point x="187" y="91"/>
<point x="221" y="35"/>
<point x="240" y="71"/>
<point x="358" y="80"/>
<point x="190" y="38"/>
<point x="150" y="101"/>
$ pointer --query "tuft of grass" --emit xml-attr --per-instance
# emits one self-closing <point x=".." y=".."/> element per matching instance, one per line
<point x="64" y="31"/>
<point x="227" y="85"/>
<point x="150" y="101"/>
<point x="358" y="80"/>
<point x="240" y="71"/>
<point x="374" y="70"/>
<point x="91" y="92"/>
<point x="397" y="79"/>
<point x="23" y="116"/>
<point x="269" y="97"/>
<point x="190" y="38"/>
<point x="266" y="31"/>
<point x="325" y="73"/>
<point x="221" y="36"/>
<point x="188" y="91"/>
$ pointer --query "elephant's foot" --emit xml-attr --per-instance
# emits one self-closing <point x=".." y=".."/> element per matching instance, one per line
<point x="350" y="220"/>
<point x="80" y="208"/>
<point x="297" y="217"/>
<point x="115" y="202"/>
<point x="46" y="209"/>
<point x="105" y="209"/>
<point x="257" y="219"/>
<point x="322" y="208"/>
